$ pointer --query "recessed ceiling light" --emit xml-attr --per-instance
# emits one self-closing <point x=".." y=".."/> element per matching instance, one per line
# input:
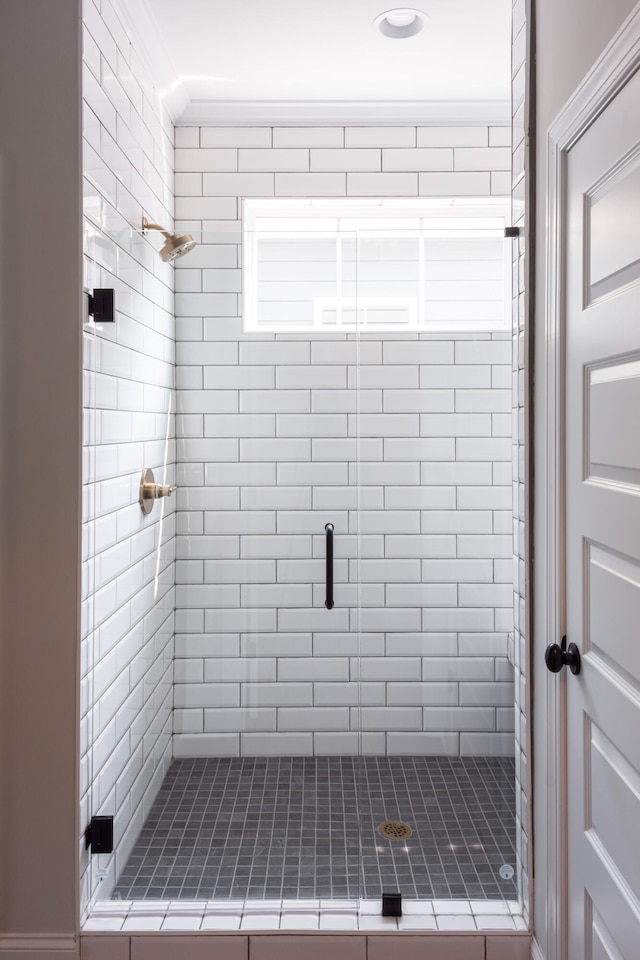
<point x="400" y="19"/>
<point x="400" y="23"/>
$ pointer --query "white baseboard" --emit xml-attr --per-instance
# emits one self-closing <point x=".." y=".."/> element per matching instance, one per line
<point x="24" y="946"/>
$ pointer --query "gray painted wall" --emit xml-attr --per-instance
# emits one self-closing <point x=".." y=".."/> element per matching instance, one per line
<point x="40" y="407"/>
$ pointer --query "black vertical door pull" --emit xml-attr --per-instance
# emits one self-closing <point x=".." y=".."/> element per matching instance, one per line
<point x="329" y="599"/>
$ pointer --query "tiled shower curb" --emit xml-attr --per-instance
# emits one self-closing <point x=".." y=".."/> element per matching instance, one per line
<point x="310" y="945"/>
<point x="308" y="916"/>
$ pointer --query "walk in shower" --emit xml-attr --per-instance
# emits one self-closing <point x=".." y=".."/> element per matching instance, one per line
<point x="262" y="723"/>
<point x="298" y="668"/>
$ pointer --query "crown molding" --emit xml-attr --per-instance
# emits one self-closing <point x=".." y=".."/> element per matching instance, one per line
<point x="340" y="112"/>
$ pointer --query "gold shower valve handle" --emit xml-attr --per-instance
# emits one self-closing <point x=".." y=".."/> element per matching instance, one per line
<point x="163" y="490"/>
<point x="151" y="491"/>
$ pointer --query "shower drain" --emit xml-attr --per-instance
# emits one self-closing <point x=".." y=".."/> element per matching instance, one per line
<point x="394" y="830"/>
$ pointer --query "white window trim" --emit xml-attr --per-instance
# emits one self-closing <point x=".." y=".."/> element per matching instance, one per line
<point x="362" y="305"/>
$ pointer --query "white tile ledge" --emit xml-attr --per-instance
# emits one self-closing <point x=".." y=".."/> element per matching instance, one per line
<point x="324" y="916"/>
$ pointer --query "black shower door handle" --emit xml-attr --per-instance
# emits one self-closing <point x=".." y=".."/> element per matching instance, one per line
<point x="329" y="599"/>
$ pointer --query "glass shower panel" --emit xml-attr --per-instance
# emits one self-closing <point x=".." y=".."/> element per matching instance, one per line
<point x="266" y="670"/>
<point x="128" y="553"/>
<point x="88" y="806"/>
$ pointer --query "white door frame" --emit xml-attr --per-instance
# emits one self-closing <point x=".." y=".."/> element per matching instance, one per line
<point x="619" y="61"/>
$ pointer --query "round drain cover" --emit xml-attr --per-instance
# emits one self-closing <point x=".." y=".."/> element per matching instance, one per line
<point x="506" y="871"/>
<point x="394" y="830"/>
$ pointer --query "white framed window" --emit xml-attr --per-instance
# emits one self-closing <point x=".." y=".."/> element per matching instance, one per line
<point x="341" y="265"/>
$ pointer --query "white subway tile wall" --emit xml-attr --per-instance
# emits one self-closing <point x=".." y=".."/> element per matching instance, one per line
<point x="271" y="448"/>
<point x="128" y="560"/>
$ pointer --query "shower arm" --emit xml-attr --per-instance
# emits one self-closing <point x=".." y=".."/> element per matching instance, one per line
<point x="146" y="226"/>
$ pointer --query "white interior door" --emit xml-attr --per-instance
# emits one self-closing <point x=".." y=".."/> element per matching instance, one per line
<point x="603" y="531"/>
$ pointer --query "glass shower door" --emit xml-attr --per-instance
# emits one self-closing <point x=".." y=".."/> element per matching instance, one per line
<point x="388" y="523"/>
<point x="436" y="779"/>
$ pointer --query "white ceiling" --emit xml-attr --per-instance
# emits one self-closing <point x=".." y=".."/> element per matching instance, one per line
<point x="328" y="50"/>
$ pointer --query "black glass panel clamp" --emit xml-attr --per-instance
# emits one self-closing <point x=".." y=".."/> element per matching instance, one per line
<point x="329" y="540"/>
<point x="391" y="904"/>
<point x="99" y="835"/>
<point x="101" y="305"/>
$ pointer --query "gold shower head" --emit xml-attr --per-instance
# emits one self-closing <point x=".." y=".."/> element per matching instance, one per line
<point x="175" y="244"/>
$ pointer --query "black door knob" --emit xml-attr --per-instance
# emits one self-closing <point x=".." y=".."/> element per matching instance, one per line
<point x="554" y="657"/>
<point x="557" y="656"/>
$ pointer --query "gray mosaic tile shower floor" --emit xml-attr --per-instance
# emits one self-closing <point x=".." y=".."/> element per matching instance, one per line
<point x="306" y="827"/>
